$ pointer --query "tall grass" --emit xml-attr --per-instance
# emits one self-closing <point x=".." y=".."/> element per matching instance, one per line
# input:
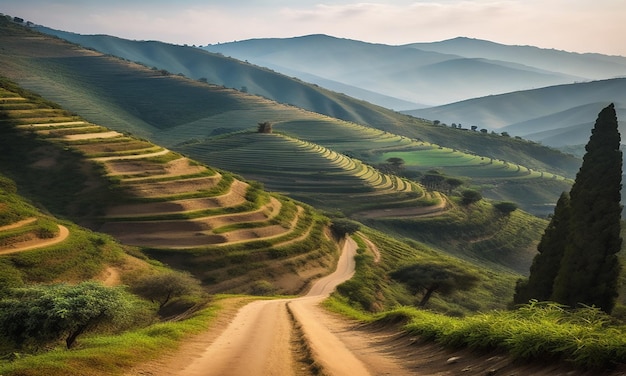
<point x="537" y="331"/>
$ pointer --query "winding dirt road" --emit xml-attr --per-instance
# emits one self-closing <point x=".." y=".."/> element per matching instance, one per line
<point x="35" y="243"/>
<point x="258" y="341"/>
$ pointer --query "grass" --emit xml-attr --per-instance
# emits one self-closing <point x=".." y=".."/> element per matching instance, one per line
<point x="101" y="355"/>
<point x="538" y="331"/>
<point x="476" y="232"/>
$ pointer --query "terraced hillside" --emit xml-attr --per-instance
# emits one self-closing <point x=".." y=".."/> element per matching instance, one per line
<point x="221" y="227"/>
<point x="314" y="174"/>
<point x="114" y="92"/>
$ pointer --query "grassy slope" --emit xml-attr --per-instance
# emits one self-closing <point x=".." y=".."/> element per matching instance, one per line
<point x="207" y="111"/>
<point x="83" y="255"/>
<point x="189" y="113"/>
<point x="86" y="179"/>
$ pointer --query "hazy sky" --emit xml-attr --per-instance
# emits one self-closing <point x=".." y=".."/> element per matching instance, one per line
<point x="571" y="25"/>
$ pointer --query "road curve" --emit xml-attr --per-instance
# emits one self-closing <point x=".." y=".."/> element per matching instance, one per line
<point x="38" y="243"/>
<point x="257" y="341"/>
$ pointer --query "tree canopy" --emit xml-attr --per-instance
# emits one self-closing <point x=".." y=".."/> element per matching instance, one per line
<point x="39" y="315"/>
<point x="430" y="277"/>
<point x="163" y="287"/>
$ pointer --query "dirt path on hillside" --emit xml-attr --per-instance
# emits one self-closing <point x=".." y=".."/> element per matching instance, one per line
<point x="37" y="243"/>
<point x="18" y="224"/>
<point x="260" y="339"/>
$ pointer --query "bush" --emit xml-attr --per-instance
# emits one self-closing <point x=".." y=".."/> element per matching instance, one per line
<point x="342" y="227"/>
<point x="505" y="207"/>
<point x="470" y="196"/>
<point x="40" y="315"/>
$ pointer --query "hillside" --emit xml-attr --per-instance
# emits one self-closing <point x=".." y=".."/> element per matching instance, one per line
<point x="424" y="72"/>
<point x="555" y="116"/>
<point x="174" y="206"/>
<point x="184" y="111"/>
<point x="147" y="196"/>
<point x="217" y="69"/>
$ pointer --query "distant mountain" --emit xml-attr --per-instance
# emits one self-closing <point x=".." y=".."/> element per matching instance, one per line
<point x="590" y="66"/>
<point x="216" y="69"/>
<point x="181" y="112"/>
<point x="555" y="116"/>
<point x="424" y="73"/>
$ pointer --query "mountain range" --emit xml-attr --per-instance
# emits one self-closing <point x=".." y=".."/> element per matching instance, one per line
<point x="547" y="96"/>
<point x="424" y="73"/>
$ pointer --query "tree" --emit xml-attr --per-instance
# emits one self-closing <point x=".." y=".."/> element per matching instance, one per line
<point x="590" y="267"/>
<point x="343" y="226"/>
<point x="470" y="196"/>
<point x="265" y="127"/>
<point x="163" y="287"/>
<point x="432" y="179"/>
<point x="43" y="314"/>
<point x="396" y="162"/>
<point x="505" y="207"/>
<point x="430" y="277"/>
<point x="453" y="183"/>
<point x="577" y="261"/>
<point x="547" y="262"/>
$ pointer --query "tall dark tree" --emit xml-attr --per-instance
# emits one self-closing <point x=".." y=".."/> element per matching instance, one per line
<point x="265" y="127"/>
<point x="590" y="268"/>
<point x="577" y="261"/>
<point x="547" y="262"/>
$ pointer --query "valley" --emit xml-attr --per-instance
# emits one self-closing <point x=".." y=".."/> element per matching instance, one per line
<point x="224" y="235"/>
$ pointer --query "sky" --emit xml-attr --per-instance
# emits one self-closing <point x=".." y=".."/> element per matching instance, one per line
<point x="570" y="25"/>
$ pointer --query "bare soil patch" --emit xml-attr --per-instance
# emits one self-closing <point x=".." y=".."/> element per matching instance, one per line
<point x="176" y="187"/>
<point x="18" y="224"/>
<point x="227" y="200"/>
<point x="88" y="136"/>
<point x="262" y="214"/>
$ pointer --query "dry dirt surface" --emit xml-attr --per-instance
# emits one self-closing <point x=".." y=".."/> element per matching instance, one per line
<point x="296" y="337"/>
<point x="283" y="337"/>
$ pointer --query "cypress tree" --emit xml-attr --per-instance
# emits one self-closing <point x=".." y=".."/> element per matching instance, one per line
<point x="589" y="269"/>
<point x="547" y="262"/>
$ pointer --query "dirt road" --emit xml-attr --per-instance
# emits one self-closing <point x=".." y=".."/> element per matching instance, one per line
<point x="36" y="243"/>
<point x="258" y="341"/>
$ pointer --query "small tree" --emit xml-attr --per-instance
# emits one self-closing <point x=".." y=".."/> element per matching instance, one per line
<point x="505" y="207"/>
<point x="342" y="227"/>
<point x="43" y="314"/>
<point x="433" y="179"/>
<point x="265" y="127"/>
<point x="470" y="196"/>
<point x="396" y="162"/>
<point x="430" y="277"/>
<point x="163" y="287"/>
<point x="453" y="183"/>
